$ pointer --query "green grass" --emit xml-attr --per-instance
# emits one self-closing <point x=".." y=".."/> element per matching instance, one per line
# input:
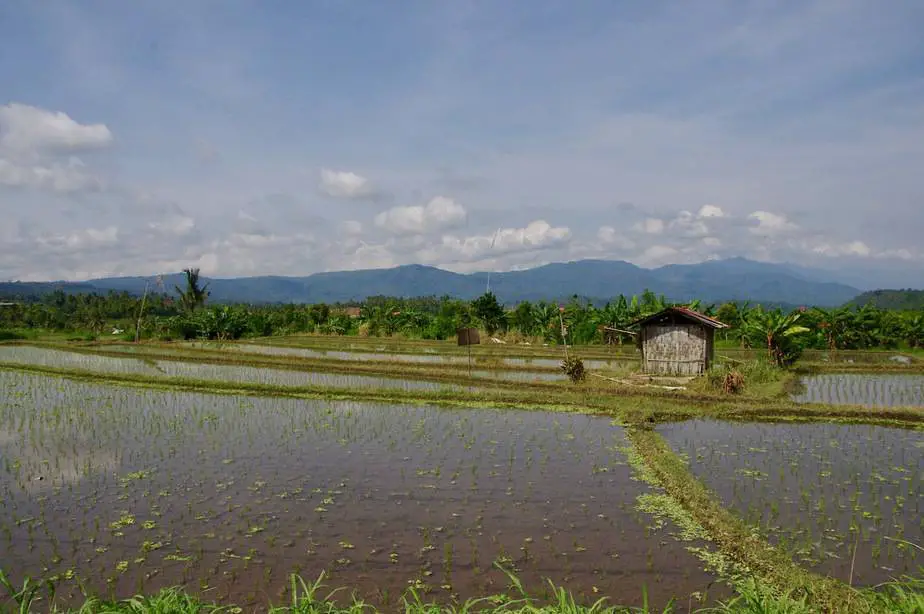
<point x="904" y="597"/>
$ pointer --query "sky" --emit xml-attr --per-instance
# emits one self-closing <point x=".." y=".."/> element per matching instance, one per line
<point x="298" y="136"/>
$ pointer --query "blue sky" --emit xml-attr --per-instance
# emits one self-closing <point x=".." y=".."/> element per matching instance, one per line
<point x="293" y="137"/>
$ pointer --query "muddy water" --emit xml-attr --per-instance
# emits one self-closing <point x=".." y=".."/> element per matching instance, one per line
<point x="820" y="490"/>
<point x="874" y="390"/>
<point x="202" y="371"/>
<point x="228" y="495"/>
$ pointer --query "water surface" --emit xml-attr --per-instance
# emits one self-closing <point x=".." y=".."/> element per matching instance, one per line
<point x="871" y="389"/>
<point x="818" y="489"/>
<point x="157" y="369"/>
<point x="227" y="495"/>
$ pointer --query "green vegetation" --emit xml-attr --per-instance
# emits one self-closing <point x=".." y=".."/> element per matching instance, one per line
<point x="899" y="300"/>
<point x="163" y="317"/>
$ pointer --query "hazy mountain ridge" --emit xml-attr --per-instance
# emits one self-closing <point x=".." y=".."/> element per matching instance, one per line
<point x="712" y="281"/>
<point x="902" y="300"/>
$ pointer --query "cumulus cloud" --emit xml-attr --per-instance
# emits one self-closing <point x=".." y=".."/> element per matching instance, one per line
<point x="537" y="235"/>
<point x="771" y="224"/>
<point x="345" y="184"/>
<point x="651" y="225"/>
<point x="27" y="130"/>
<point x="710" y="211"/>
<point x="37" y="147"/>
<point x="440" y="213"/>
<point x="612" y="239"/>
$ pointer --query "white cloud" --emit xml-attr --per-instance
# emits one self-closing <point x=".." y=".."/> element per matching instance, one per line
<point x="33" y="144"/>
<point x="854" y="248"/>
<point x="612" y="239"/>
<point x="27" y="130"/>
<point x="352" y="228"/>
<point x="81" y="239"/>
<point x="345" y="184"/>
<point x="710" y="211"/>
<point x="440" y="213"/>
<point x="68" y="177"/>
<point x="174" y="224"/>
<point x="687" y="224"/>
<point x="651" y="225"/>
<point x="537" y="235"/>
<point x="657" y="255"/>
<point x="771" y="223"/>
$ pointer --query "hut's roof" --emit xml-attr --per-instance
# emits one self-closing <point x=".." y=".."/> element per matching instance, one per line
<point x="683" y="312"/>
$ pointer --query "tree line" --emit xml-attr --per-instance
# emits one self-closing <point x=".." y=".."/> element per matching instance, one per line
<point x="186" y="314"/>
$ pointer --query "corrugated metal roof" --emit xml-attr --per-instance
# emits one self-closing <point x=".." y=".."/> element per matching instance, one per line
<point x="686" y="312"/>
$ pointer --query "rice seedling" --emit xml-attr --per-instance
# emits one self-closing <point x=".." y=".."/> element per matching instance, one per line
<point x="827" y="493"/>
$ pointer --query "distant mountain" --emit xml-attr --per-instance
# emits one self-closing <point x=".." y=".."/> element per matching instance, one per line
<point x="902" y="300"/>
<point x="713" y="281"/>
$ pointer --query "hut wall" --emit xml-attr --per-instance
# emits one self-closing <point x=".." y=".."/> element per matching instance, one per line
<point x="710" y="348"/>
<point x="674" y="349"/>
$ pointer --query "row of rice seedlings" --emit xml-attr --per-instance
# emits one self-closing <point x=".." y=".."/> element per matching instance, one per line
<point x="821" y="491"/>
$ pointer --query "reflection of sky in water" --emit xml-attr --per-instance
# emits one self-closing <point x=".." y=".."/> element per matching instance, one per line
<point x="874" y="390"/>
<point x="203" y="371"/>
<point x="808" y="484"/>
<point x="310" y="483"/>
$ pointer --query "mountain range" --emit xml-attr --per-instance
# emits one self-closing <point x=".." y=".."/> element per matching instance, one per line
<point x="712" y="281"/>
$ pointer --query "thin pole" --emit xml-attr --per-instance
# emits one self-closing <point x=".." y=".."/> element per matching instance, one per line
<point x="563" y="338"/>
<point x="141" y="313"/>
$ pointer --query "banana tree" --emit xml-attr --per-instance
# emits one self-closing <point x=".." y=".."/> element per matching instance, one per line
<point x="778" y="332"/>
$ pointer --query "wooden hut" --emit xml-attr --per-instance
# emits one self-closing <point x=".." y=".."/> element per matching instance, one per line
<point x="677" y="341"/>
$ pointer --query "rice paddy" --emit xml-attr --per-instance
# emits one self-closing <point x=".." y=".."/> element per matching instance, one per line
<point x="241" y="464"/>
<point x="844" y="500"/>
<point x="202" y="371"/>
<point x="132" y="490"/>
<point x="871" y="389"/>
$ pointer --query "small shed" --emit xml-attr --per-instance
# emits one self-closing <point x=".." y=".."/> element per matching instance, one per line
<point x="677" y="341"/>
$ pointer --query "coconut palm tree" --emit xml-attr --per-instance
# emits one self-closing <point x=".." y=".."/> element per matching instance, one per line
<point x="194" y="295"/>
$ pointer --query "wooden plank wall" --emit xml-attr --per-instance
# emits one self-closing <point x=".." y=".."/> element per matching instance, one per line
<point x="674" y="349"/>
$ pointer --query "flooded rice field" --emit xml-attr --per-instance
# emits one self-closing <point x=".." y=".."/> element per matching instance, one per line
<point x="819" y="490"/>
<point x="871" y="389"/>
<point x="131" y="490"/>
<point x="202" y="371"/>
<point x="429" y="358"/>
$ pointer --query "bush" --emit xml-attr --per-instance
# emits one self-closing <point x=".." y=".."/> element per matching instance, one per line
<point x="573" y="367"/>
<point x="9" y="335"/>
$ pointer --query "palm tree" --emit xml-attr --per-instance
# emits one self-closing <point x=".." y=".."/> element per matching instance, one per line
<point x="777" y="330"/>
<point x="194" y="296"/>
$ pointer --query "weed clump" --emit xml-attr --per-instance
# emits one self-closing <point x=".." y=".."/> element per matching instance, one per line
<point x="734" y="378"/>
<point x="573" y="367"/>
